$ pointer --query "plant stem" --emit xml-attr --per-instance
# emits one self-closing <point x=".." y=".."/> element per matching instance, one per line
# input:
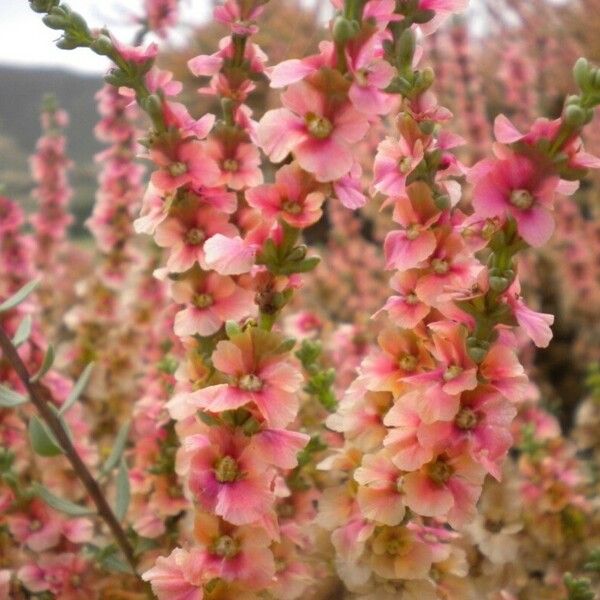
<point x="39" y="396"/>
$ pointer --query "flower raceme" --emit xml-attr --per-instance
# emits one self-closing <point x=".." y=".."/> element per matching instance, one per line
<point x="430" y="412"/>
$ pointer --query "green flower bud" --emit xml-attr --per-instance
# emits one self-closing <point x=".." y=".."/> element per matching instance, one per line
<point x="405" y="47"/>
<point x="574" y="115"/>
<point x="344" y="30"/>
<point x="581" y="72"/>
<point x="499" y="284"/>
<point x="102" y="45"/>
<point x="54" y="21"/>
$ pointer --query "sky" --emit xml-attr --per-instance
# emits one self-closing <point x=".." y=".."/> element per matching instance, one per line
<point x="25" y="40"/>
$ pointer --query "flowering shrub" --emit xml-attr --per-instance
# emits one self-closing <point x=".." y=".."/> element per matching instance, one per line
<point x="224" y="417"/>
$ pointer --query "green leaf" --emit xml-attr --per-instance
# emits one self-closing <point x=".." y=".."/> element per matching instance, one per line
<point x="123" y="491"/>
<point x="10" y="399"/>
<point x="77" y="389"/>
<point x="115" y="562"/>
<point x="19" y="296"/>
<point x="46" y="365"/>
<point x="65" y="506"/>
<point x="23" y="331"/>
<point x="117" y="450"/>
<point x="42" y="441"/>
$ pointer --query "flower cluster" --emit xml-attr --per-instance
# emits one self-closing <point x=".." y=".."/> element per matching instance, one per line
<point x="41" y="547"/>
<point x="443" y="385"/>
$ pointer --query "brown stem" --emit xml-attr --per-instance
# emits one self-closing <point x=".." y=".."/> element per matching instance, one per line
<point x="39" y="396"/>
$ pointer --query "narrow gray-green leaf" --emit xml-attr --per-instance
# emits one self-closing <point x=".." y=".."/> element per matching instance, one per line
<point x="123" y="491"/>
<point x="23" y="331"/>
<point x="114" y="562"/>
<point x="10" y="398"/>
<point x="42" y="441"/>
<point x="46" y="365"/>
<point x="117" y="449"/>
<point x="19" y="296"/>
<point x="77" y="389"/>
<point x="65" y="506"/>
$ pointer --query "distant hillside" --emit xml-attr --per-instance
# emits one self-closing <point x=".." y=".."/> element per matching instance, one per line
<point x="21" y="92"/>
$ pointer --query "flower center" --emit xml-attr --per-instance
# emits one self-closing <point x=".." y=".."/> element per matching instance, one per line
<point x="226" y="469"/>
<point x="408" y="362"/>
<point x="75" y="580"/>
<point x="226" y="546"/>
<point x="521" y="199"/>
<point x="466" y="419"/>
<point x="412" y="233"/>
<point x="203" y="300"/>
<point x="412" y="298"/>
<point x="319" y="127"/>
<point x="231" y="165"/>
<point x="405" y="165"/>
<point x="35" y="525"/>
<point x="195" y="236"/>
<point x="177" y="168"/>
<point x="292" y="207"/>
<point x="439" y="472"/>
<point x="250" y="383"/>
<point x="452" y="372"/>
<point x="397" y="545"/>
<point x="440" y="266"/>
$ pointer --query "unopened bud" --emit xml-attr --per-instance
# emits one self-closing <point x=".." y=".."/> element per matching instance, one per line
<point x="297" y="254"/>
<point x="574" y="115"/>
<point x="405" y="47"/>
<point x="499" y="284"/>
<point x="581" y="72"/>
<point x="102" y="45"/>
<point x="54" y="21"/>
<point x="427" y="78"/>
<point x="344" y="30"/>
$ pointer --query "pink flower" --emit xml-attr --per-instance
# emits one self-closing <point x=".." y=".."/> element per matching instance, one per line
<point x="502" y="370"/>
<point x="446" y="487"/>
<point x="185" y="231"/>
<point x="442" y="9"/>
<point x="187" y="163"/>
<point x="239" y="19"/>
<point x="294" y="197"/>
<point x="482" y="423"/>
<point x="379" y="496"/>
<point x="239" y="554"/>
<point x="398" y="553"/>
<point x="229" y="256"/>
<point x="455" y="373"/>
<point x="175" y="577"/>
<point x="227" y="477"/>
<point x="260" y="376"/>
<point x="212" y="301"/>
<point x="239" y="162"/>
<point x="416" y="212"/>
<point x="536" y="325"/>
<point x="406" y="310"/>
<point x="407" y="451"/>
<point x="349" y="189"/>
<point x="371" y="75"/>
<point x="401" y="354"/>
<point x="449" y="266"/>
<point x="397" y="158"/>
<point x="318" y="131"/>
<point x="39" y="528"/>
<point x="515" y="186"/>
<point x="135" y="54"/>
<point x="66" y="576"/>
<point x="360" y="416"/>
